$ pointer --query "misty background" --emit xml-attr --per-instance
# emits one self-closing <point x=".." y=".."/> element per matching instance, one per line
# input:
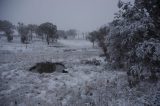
<point x="79" y="53"/>
<point x="83" y="15"/>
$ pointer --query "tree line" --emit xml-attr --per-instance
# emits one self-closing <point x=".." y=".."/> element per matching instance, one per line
<point x="47" y="31"/>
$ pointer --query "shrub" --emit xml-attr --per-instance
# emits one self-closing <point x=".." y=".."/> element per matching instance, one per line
<point x="133" y="43"/>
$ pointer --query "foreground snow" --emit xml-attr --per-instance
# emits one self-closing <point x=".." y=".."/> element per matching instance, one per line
<point x="85" y="84"/>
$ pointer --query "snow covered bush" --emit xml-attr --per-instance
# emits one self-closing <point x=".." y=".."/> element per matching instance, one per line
<point x="133" y="40"/>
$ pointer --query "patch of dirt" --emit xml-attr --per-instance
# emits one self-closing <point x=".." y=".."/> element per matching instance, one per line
<point x="69" y="50"/>
<point x="55" y="46"/>
<point x="48" y="67"/>
<point x="91" y="62"/>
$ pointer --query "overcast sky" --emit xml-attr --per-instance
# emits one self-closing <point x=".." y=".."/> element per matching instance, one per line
<point x="83" y="15"/>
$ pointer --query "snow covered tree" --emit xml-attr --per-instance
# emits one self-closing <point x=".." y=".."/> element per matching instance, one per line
<point x="92" y="37"/>
<point x="23" y="31"/>
<point x="133" y="42"/>
<point x="7" y="28"/>
<point x="39" y="33"/>
<point x="62" y="34"/>
<point x="120" y="4"/>
<point x="100" y="38"/>
<point x="72" y="33"/>
<point x="32" y="29"/>
<point x="49" y="30"/>
<point x="9" y="34"/>
<point x="152" y="7"/>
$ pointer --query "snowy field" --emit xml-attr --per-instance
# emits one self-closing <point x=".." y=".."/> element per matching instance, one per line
<point x="84" y="85"/>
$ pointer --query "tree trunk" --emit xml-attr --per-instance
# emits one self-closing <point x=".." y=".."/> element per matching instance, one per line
<point x="26" y="45"/>
<point x="93" y="44"/>
<point x="47" y="39"/>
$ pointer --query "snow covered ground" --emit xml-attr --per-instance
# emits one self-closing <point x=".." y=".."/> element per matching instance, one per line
<point x="84" y="85"/>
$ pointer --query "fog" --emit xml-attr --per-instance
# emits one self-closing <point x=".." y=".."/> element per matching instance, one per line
<point x="75" y="53"/>
<point x="83" y="15"/>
